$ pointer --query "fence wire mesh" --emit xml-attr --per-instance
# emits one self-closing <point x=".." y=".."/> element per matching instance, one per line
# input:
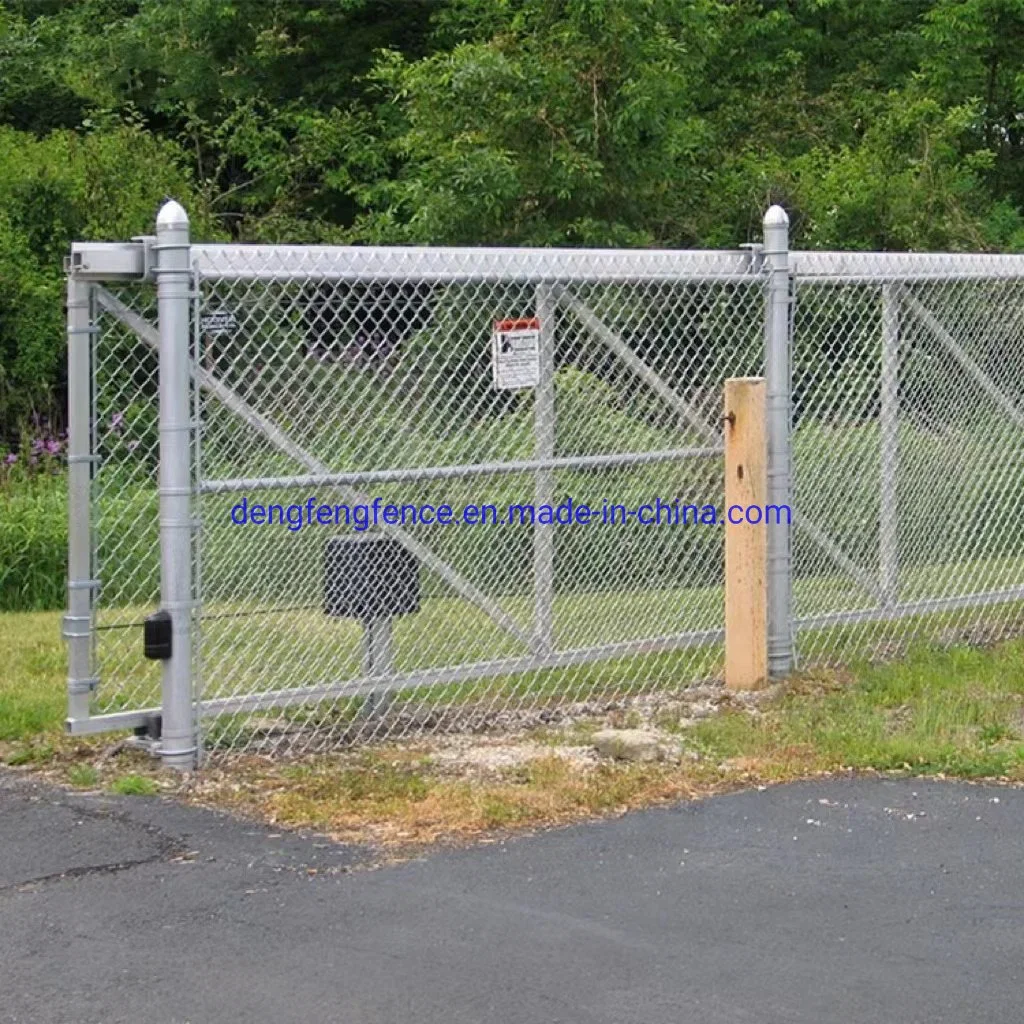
<point x="388" y="380"/>
<point x="908" y="412"/>
<point x="347" y="376"/>
<point x="125" y="501"/>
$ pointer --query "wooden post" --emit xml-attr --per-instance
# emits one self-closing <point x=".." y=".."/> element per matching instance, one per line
<point x="746" y="485"/>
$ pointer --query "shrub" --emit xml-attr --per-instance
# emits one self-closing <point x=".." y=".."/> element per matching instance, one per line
<point x="33" y="544"/>
<point x="65" y="186"/>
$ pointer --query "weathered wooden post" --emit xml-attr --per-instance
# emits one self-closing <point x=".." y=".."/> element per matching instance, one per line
<point x="746" y="552"/>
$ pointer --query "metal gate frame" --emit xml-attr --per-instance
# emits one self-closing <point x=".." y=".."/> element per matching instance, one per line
<point x="178" y="268"/>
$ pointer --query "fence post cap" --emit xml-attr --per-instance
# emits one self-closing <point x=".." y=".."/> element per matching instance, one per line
<point x="172" y="216"/>
<point x="776" y="217"/>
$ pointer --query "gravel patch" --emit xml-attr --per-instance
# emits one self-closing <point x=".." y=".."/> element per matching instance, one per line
<point x="495" y="757"/>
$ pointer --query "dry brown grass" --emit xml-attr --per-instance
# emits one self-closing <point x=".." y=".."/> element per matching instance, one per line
<point x="390" y="802"/>
<point x="397" y="798"/>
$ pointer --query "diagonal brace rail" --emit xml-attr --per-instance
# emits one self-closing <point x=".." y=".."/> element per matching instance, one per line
<point x="929" y="320"/>
<point x="148" y="334"/>
<point x="600" y="330"/>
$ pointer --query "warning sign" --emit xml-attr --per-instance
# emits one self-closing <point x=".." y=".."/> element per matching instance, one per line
<point x="515" y="354"/>
<point x="218" y="323"/>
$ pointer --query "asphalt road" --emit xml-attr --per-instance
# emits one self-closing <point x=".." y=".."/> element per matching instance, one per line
<point x="835" y="901"/>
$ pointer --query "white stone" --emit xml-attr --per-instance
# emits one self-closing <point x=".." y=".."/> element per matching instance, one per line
<point x="629" y="744"/>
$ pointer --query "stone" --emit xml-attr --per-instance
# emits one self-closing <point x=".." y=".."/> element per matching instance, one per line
<point x="629" y="744"/>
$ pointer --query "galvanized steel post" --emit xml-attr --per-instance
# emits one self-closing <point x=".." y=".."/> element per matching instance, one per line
<point x="778" y="349"/>
<point x="173" y="276"/>
<point x="81" y="586"/>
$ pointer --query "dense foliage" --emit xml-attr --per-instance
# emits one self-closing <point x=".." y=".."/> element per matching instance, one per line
<point x="579" y="122"/>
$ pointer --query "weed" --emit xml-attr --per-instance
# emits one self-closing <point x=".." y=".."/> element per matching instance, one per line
<point x="134" y="785"/>
<point x="30" y="753"/>
<point x="83" y="776"/>
<point x="936" y="711"/>
<point x="500" y="812"/>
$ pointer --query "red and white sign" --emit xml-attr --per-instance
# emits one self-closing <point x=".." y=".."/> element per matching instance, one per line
<point x="515" y="354"/>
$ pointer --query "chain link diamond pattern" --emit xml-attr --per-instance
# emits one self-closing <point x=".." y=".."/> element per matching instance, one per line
<point x="347" y="375"/>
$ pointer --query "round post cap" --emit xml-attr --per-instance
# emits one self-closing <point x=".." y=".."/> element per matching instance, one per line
<point x="172" y="216"/>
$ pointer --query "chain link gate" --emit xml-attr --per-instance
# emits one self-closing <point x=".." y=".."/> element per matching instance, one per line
<point x="359" y="375"/>
<point x="331" y="377"/>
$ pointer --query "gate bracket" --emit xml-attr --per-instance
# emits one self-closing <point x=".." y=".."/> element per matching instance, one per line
<point x="108" y="261"/>
<point x="82" y="685"/>
<point x="148" y="244"/>
<point x="756" y="251"/>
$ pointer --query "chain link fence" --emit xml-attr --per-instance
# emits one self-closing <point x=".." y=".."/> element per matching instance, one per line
<point x="328" y="379"/>
<point x="908" y="448"/>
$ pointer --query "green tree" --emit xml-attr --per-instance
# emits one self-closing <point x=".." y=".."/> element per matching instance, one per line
<point x="105" y="183"/>
<point x="571" y="122"/>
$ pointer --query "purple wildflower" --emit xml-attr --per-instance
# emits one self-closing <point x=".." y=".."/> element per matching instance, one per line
<point x="52" y="446"/>
<point x="11" y="459"/>
<point x="116" y="421"/>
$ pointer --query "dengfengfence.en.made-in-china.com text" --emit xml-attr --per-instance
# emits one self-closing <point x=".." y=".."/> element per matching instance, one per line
<point x="377" y="512"/>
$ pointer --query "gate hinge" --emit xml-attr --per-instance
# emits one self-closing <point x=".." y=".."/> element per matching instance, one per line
<point x="77" y="686"/>
<point x="74" y="627"/>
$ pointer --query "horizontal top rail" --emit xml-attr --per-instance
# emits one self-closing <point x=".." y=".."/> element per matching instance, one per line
<point x="368" y="263"/>
<point x="871" y="267"/>
<point x="105" y="261"/>
<point x="418" y="263"/>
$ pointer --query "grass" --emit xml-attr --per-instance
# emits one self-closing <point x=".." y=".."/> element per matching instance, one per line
<point x="246" y="646"/>
<point x="33" y="542"/>
<point x="251" y="646"/>
<point x="83" y="776"/>
<point x="32" y="673"/>
<point x="955" y="712"/>
<point x="391" y="799"/>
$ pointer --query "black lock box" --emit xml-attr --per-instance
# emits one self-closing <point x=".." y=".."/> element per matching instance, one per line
<point x="370" y="577"/>
<point x="156" y="635"/>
